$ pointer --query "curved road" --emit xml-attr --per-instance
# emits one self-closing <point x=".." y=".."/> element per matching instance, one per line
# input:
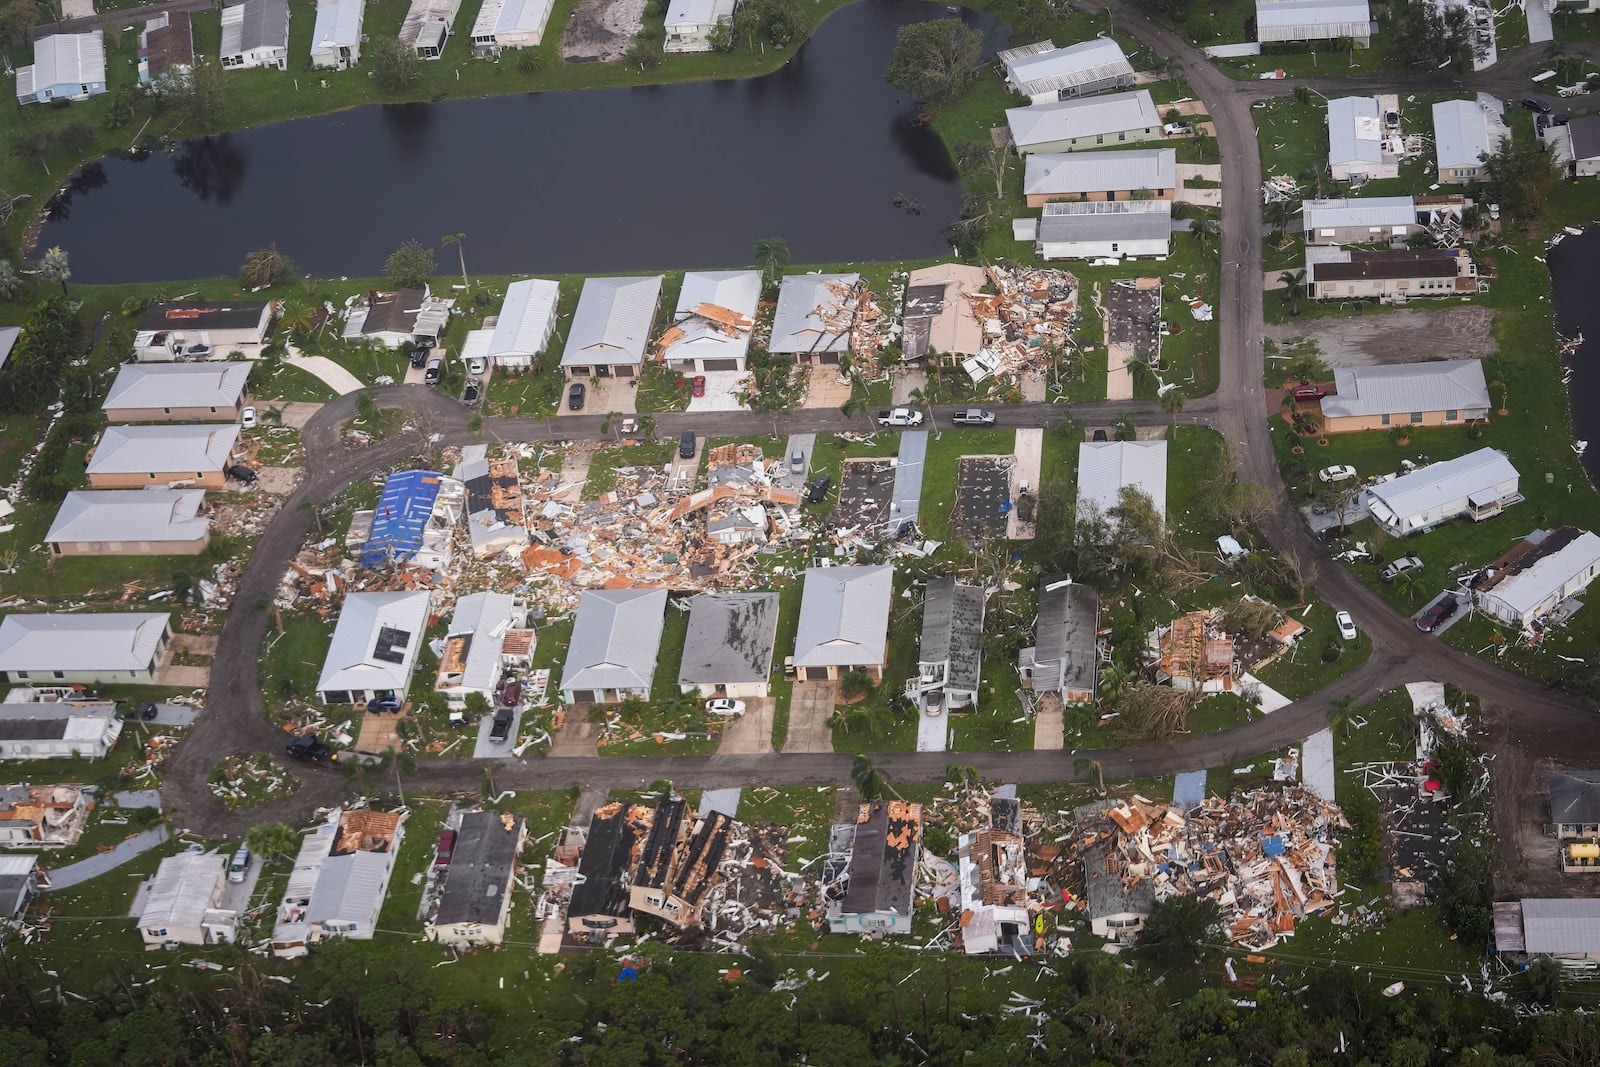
<point x="1545" y="720"/>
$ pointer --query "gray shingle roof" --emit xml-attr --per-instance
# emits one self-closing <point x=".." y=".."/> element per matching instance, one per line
<point x="177" y="385"/>
<point x="615" y="639"/>
<point x="1585" y="131"/>
<point x="612" y="322"/>
<point x="730" y="638"/>
<point x="86" y="641"/>
<point x="1390" y="389"/>
<point x="1114" y="220"/>
<point x="1064" y="640"/>
<point x="123" y="515"/>
<point x="952" y="629"/>
<point x="481" y="865"/>
<point x="844" y="616"/>
<point x="1063" y="173"/>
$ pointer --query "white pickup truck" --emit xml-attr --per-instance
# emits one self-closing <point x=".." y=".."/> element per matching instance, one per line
<point x="900" y="417"/>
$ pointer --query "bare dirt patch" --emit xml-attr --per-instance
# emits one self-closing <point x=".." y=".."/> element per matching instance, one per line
<point x="1395" y="336"/>
<point x="601" y="31"/>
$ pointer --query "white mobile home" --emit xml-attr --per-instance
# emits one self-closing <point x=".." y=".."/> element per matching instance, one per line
<point x="255" y="33"/>
<point x="1478" y="485"/>
<point x="66" y="66"/>
<point x="689" y="23"/>
<point x="1042" y="72"/>
<point x="336" y="39"/>
<point x="1538" y="574"/>
<point x="182" y="903"/>
<point x="1104" y="229"/>
<point x="1313" y="20"/>
<point x="503" y="24"/>
<point x="527" y="319"/>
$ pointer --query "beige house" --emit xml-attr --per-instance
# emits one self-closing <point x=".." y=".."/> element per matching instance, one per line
<point x="132" y="457"/>
<point x="177" y="392"/>
<point x="728" y="649"/>
<point x="1388" y="277"/>
<point x="1140" y="174"/>
<point x="1437" y="393"/>
<point x="678" y="864"/>
<point x="938" y="314"/>
<point x="130" y="522"/>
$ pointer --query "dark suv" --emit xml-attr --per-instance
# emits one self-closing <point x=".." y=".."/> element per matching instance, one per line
<point x="1435" y="616"/>
<point x="310" y="748"/>
<point x="500" y="729"/>
<point x="819" y="489"/>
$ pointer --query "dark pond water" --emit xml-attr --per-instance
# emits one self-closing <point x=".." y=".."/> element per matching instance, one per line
<point x="1575" y="285"/>
<point x="686" y="175"/>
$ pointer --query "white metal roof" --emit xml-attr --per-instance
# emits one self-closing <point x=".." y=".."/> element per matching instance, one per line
<point x="1066" y="68"/>
<point x="615" y="639"/>
<point x="526" y="317"/>
<point x="1355" y="130"/>
<point x="350" y="888"/>
<point x="101" y="515"/>
<point x="844" y="616"/>
<point x="90" y="724"/>
<point x="376" y="642"/>
<point x="1339" y="18"/>
<point x="797" y="326"/>
<point x="1105" y="468"/>
<point x="163" y="449"/>
<point x="182" y="891"/>
<point x="253" y="25"/>
<point x="1561" y="926"/>
<point x="88" y="641"/>
<point x="476" y="345"/>
<point x="612" y="323"/>
<point x="1050" y="173"/>
<point x="177" y="385"/>
<point x="1463" y="132"/>
<point x="1441" y="483"/>
<point x="1389" y="389"/>
<point x="1106" y="220"/>
<point x="1085" y="117"/>
<point x="487" y="617"/>
<point x="338" y="24"/>
<point x="698" y="12"/>
<point x="1527" y="589"/>
<point x="1358" y="211"/>
<point x="511" y="16"/>
<point x="66" y="59"/>
<point x="738" y="291"/>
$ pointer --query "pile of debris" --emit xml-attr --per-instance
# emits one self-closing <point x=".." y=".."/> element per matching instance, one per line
<point x="245" y="781"/>
<point x="1031" y="311"/>
<point x="156" y="751"/>
<point x="1266" y="857"/>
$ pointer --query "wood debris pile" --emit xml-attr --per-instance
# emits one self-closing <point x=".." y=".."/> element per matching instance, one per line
<point x="1031" y="311"/>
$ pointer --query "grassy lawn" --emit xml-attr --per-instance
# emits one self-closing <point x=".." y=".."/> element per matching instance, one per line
<point x="686" y="716"/>
<point x="806" y="810"/>
<point x="292" y="661"/>
<point x="945" y="450"/>
<point x="1302" y="671"/>
<point x="611" y="458"/>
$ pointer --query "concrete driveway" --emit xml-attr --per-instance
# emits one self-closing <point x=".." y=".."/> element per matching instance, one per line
<point x="809" y="711"/>
<point x="487" y="749"/>
<point x="723" y="391"/>
<point x="750" y="733"/>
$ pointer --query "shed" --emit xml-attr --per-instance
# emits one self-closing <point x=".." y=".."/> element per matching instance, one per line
<point x="728" y="651"/>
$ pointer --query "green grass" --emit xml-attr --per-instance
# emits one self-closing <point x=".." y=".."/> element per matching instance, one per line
<point x="609" y="459"/>
<point x="291" y="662"/>
<point x="1301" y="671"/>
<point x="704" y="731"/>
<point x="806" y="810"/>
<point x="945" y="450"/>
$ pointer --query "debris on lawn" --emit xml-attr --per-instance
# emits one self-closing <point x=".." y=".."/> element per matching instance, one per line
<point x="246" y="781"/>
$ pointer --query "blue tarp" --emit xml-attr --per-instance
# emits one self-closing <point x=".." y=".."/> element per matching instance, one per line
<point x="400" y="517"/>
<point x="1273" y="846"/>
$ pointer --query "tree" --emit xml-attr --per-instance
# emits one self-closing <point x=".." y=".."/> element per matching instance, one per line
<point x="772" y="256"/>
<point x="411" y="265"/>
<point x="986" y="159"/>
<point x="265" y="267"/>
<point x="10" y="281"/>
<point x="395" y="63"/>
<point x="868" y="780"/>
<point x="34" y="146"/>
<point x="1518" y="175"/>
<point x="56" y="267"/>
<point x="459" y="240"/>
<point x="200" y="100"/>
<point x="1294" y="283"/>
<point x="1432" y="36"/>
<point x="273" y="841"/>
<point x="934" y="61"/>
<point x="855" y="685"/>
<point x="1179" y="928"/>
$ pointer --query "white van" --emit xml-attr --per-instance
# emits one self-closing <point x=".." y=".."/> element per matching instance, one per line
<point x="239" y="866"/>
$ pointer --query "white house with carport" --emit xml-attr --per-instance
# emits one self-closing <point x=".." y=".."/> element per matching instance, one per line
<point x="1357" y="145"/>
<point x="374" y="648"/>
<point x="66" y="66"/>
<point x="255" y="33"/>
<point x="1042" y="72"/>
<point x="336" y="37"/>
<point x="31" y="729"/>
<point x="177" y="392"/>
<point x="1104" y="229"/>
<point x="616" y="639"/>
<point x="814" y="316"/>
<point x="1538" y="574"/>
<point x="1279" y="21"/>
<point x="844" y="622"/>
<point x="1088" y="122"/>
<point x="1464" y="132"/>
<point x="56" y="648"/>
<point x="503" y="24"/>
<point x="1478" y="486"/>
<point x="471" y="661"/>
<point x="526" y="320"/>
<point x="728" y="652"/>
<point x="711" y="327"/>
<point x="130" y="522"/>
<point x="1106" y="468"/>
<point x="611" y="327"/>
<point x="689" y="23"/>
<point x="182" y="904"/>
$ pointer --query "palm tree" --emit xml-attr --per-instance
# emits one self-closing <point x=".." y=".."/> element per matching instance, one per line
<point x="459" y="240"/>
<point x="1294" y="282"/>
<point x="297" y="316"/>
<point x="1115" y="679"/>
<point x="612" y="419"/>
<point x="869" y="781"/>
<point x="55" y="267"/>
<point x="10" y="281"/>
<point x="1410" y="585"/>
<point x="1172" y="404"/>
<point x="772" y="255"/>
<point x="647" y="427"/>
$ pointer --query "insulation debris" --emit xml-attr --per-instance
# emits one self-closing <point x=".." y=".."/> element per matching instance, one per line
<point x="1030" y="316"/>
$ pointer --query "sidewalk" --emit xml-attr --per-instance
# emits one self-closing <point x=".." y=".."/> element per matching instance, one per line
<point x="1028" y="459"/>
<point x="332" y="375"/>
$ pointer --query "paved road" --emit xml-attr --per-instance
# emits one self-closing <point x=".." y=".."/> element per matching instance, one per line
<point x="1543" y="720"/>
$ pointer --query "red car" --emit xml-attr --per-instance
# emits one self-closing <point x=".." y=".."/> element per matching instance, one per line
<point x="697" y="387"/>
<point x="1309" y="392"/>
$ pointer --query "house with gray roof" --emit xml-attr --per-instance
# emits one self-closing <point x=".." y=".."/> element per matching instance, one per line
<point x="20" y="882"/>
<point x="132" y="457"/>
<point x="1359" y="220"/>
<point x="1089" y="122"/>
<point x="255" y="33"/>
<point x="611" y="327"/>
<point x="1289" y="21"/>
<point x="58" y="648"/>
<point x="1477" y="486"/>
<point x="1389" y="276"/>
<point x="1104" y="229"/>
<point x="1559" y="927"/>
<point x="950" y="657"/>
<point x="1436" y="393"/>
<point x="616" y="639"/>
<point x="339" y="880"/>
<point x="130" y="522"/>
<point x="1358" y="147"/>
<point x="475" y="901"/>
<point x="1118" y="905"/>
<point x="31" y="728"/>
<point x="471" y="661"/>
<point x="1135" y="174"/>
<point x="336" y="37"/>
<point x="1106" y="468"/>
<point x="1538" y="576"/>
<point x="814" y="316"/>
<point x="397" y="319"/>
<point x="711" y="327"/>
<point x="1583" y="134"/>
<point x="177" y="392"/>
<point x="1065" y="655"/>
<point x="1042" y="72"/>
<point x="844" y="621"/>
<point x="728" y="652"/>
<point x="182" y="903"/>
<point x="876" y="895"/>
<point x="375" y="647"/>
<point x="1464" y="132"/>
<point x="526" y="320"/>
<point x="202" y="329"/>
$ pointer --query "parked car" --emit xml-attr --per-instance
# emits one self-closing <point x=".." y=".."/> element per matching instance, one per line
<point x="239" y="866"/>
<point x="1176" y="129"/>
<point x="1309" y="392"/>
<point x="478" y="365"/>
<point x="1398" y="567"/>
<point x="1099" y="437"/>
<point x="723" y="706"/>
<point x="384" y="705"/>
<point x="500" y="729"/>
<point x="247" y="419"/>
<point x="240" y="473"/>
<point x="308" y="747"/>
<point x="797" y="462"/>
<point x="1537" y="106"/>
<point x="819" y="489"/>
<point x="434" y="372"/>
<point x="900" y="417"/>
<point x="1341" y="473"/>
<point x="198" y="351"/>
<point x="472" y="396"/>
<point x="697" y="387"/>
<point x="419" y="355"/>
<point x="1436" y="615"/>
<point x="446" y="846"/>
<point x="1347" y="625"/>
<point x="575" y="396"/>
<point x="510" y="694"/>
<point x="686" y="445"/>
<point x="973" y="417"/>
<point x="147" y="712"/>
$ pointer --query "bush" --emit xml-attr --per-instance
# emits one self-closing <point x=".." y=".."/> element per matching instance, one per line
<point x="1332" y="650"/>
